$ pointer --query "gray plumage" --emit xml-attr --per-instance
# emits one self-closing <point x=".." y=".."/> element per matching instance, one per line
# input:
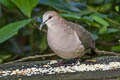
<point x="68" y="40"/>
<point x="84" y="36"/>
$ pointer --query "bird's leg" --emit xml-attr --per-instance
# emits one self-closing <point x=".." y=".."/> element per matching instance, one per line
<point x="77" y="60"/>
<point x="92" y="55"/>
<point x="60" y="63"/>
<point x="68" y="62"/>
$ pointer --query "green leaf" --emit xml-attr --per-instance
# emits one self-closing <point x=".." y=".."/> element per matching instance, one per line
<point x="25" y="6"/>
<point x="103" y="30"/>
<point x="95" y="36"/>
<point x="116" y="48"/>
<point x="60" y="5"/>
<point x="100" y="20"/>
<point x="112" y="30"/>
<point x="77" y="16"/>
<point x="71" y="16"/>
<point x="43" y="45"/>
<point x="11" y="29"/>
<point x="7" y="3"/>
<point x="100" y="15"/>
<point x="1" y="60"/>
<point x="74" y="15"/>
<point x="89" y="21"/>
<point x="117" y="8"/>
<point x="4" y="56"/>
<point x="105" y="7"/>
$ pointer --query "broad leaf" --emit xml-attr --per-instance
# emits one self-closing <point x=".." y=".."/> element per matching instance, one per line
<point x="90" y="21"/>
<point x="101" y="21"/>
<point x="112" y="30"/>
<point x="61" y="5"/>
<point x="26" y="6"/>
<point x="74" y="15"/>
<point x="11" y="29"/>
<point x="7" y="3"/>
<point x="103" y="30"/>
<point x="71" y="16"/>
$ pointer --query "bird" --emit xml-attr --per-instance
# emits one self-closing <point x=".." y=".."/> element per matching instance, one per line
<point x="67" y="39"/>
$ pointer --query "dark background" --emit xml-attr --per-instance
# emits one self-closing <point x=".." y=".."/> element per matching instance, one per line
<point x="19" y="19"/>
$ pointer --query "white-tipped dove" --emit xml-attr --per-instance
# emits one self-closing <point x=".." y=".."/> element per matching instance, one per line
<point x="68" y="40"/>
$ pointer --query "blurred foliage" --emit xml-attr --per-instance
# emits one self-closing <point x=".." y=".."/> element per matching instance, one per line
<point x="20" y="37"/>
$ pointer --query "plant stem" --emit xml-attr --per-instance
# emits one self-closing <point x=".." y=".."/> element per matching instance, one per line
<point x="31" y="39"/>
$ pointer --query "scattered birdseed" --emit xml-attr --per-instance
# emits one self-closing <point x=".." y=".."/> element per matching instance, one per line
<point x="48" y="68"/>
<point x="53" y="61"/>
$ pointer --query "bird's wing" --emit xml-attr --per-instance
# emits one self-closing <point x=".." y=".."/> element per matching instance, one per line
<point x="84" y="36"/>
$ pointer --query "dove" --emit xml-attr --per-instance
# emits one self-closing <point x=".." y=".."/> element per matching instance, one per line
<point x="67" y="39"/>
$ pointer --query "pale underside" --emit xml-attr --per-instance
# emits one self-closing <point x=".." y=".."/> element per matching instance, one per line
<point x="67" y="43"/>
<point x="65" y="46"/>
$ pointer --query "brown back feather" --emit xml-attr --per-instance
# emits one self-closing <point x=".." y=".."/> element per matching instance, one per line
<point x="84" y="36"/>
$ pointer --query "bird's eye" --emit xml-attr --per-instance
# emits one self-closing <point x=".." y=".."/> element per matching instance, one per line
<point x="49" y="17"/>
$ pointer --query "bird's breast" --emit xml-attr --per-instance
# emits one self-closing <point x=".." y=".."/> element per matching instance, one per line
<point x="64" y="42"/>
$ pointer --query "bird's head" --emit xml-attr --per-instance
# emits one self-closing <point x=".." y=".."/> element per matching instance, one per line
<point x="49" y="17"/>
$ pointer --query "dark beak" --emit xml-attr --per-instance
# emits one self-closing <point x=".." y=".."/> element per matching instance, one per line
<point x="42" y="24"/>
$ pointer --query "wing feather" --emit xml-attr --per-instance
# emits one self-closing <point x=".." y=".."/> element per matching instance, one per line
<point x="84" y="36"/>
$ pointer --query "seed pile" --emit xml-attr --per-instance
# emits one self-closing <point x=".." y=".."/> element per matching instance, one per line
<point x="48" y="68"/>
